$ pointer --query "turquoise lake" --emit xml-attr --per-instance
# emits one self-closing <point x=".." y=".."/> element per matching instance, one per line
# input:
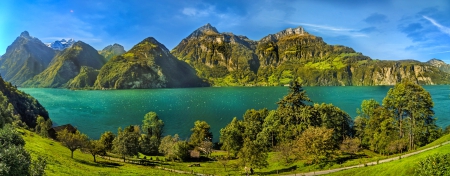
<point x="94" y="112"/>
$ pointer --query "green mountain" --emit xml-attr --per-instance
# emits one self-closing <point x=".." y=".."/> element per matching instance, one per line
<point x="148" y="64"/>
<point x="112" y="50"/>
<point x="84" y="80"/>
<point x="24" y="105"/>
<point x="225" y="59"/>
<point x="67" y="65"/>
<point x="26" y="57"/>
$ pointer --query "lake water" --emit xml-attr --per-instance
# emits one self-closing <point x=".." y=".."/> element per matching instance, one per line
<point x="94" y="112"/>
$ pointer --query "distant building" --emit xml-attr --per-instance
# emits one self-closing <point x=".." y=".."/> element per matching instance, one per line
<point x="52" y="132"/>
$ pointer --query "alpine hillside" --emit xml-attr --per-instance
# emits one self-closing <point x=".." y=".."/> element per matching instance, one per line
<point x="67" y="65"/>
<point x="112" y="50"/>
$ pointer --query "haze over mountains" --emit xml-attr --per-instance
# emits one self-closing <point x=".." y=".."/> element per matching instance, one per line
<point x="207" y="58"/>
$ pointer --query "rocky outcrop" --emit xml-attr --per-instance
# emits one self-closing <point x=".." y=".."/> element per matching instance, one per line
<point x="148" y="64"/>
<point x="440" y="64"/>
<point x="26" y="57"/>
<point x="66" y="66"/>
<point x="112" y="50"/>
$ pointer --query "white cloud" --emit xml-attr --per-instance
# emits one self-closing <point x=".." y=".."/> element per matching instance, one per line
<point x="331" y="29"/>
<point x="198" y="12"/>
<point x="439" y="26"/>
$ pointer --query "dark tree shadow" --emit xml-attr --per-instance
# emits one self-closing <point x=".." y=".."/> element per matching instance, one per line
<point x="98" y="163"/>
<point x="279" y="171"/>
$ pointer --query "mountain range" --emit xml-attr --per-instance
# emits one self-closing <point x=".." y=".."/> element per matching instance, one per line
<point x="208" y="57"/>
<point x="61" y="44"/>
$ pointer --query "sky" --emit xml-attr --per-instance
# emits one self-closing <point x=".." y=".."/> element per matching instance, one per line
<point x="381" y="29"/>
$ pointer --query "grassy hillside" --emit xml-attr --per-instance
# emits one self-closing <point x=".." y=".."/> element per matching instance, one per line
<point x="404" y="166"/>
<point x="60" y="163"/>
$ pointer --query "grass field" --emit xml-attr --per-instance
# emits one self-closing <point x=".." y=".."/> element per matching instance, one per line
<point x="404" y="166"/>
<point x="60" y="163"/>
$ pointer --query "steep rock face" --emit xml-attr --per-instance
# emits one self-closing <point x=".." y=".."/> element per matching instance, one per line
<point x="440" y="64"/>
<point x="218" y="55"/>
<point x="292" y="54"/>
<point x="112" y="50"/>
<point x="66" y="65"/>
<point x="24" y="58"/>
<point x="84" y="80"/>
<point x="25" y="105"/>
<point x="148" y="64"/>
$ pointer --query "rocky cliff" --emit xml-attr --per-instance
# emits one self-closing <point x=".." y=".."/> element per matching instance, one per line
<point x="225" y="59"/>
<point x="67" y="65"/>
<point x="148" y="64"/>
<point x="26" y="57"/>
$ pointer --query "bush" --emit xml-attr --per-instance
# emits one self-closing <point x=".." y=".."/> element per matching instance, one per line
<point x="436" y="165"/>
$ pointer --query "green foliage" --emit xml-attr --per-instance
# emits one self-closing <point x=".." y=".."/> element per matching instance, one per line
<point x="173" y="148"/>
<point x="231" y="137"/>
<point x="6" y="111"/>
<point x="438" y="164"/>
<point x="315" y="144"/>
<point x="153" y="126"/>
<point x="252" y="154"/>
<point x="127" y="141"/>
<point x="72" y="141"/>
<point x="42" y="126"/>
<point x="10" y="137"/>
<point x="94" y="147"/>
<point x="107" y="139"/>
<point x="200" y="133"/>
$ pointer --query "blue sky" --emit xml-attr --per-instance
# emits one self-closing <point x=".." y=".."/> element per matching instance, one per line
<point x="381" y="29"/>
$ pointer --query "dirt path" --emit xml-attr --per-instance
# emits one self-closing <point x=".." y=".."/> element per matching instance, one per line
<point x="368" y="164"/>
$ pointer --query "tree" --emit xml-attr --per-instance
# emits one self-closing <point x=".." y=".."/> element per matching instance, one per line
<point x="380" y="130"/>
<point x="411" y="106"/>
<point x="174" y="148"/>
<point x="364" y="114"/>
<point x="231" y="137"/>
<point x="332" y="117"/>
<point x="14" y="159"/>
<point x="42" y="126"/>
<point x="127" y="142"/>
<point x="94" y="147"/>
<point x="153" y="127"/>
<point x="200" y="133"/>
<point x="6" y="111"/>
<point x="252" y="154"/>
<point x="284" y="152"/>
<point x="206" y="147"/>
<point x="72" y="141"/>
<point x="351" y="145"/>
<point x="315" y="143"/>
<point x="270" y="133"/>
<point x="107" y="139"/>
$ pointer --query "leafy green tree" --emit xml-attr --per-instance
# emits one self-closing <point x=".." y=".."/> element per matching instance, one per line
<point x="285" y="152"/>
<point x="351" y="145"/>
<point x="42" y="126"/>
<point x="200" y="133"/>
<point x="231" y="137"/>
<point x="6" y="111"/>
<point x="380" y="130"/>
<point x="153" y="127"/>
<point x="174" y="148"/>
<point x="14" y="159"/>
<point x="72" y="141"/>
<point x="270" y="133"/>
<point x="315" y="143"/>
<point x="332" y="117"/>
<point x="94" y="147"/>
<point x="127" y="141"/>
<point x="252" y="154"/>
<point x="107" y="139"/>
<point x="207" y="148"/>
<point x="367" y="110"/>
<point x="411" y="106"/>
